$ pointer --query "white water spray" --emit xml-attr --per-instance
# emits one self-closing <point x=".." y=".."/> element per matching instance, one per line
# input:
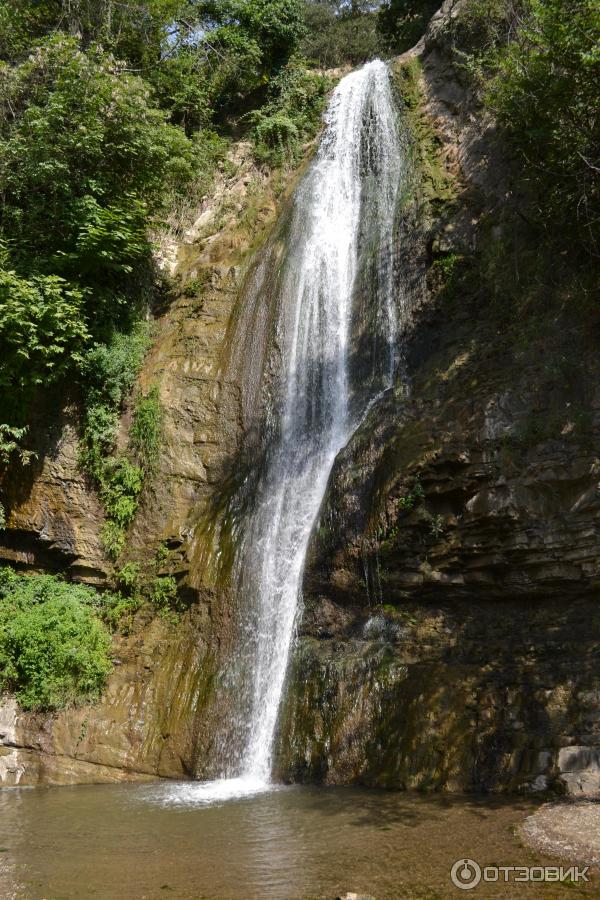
<point x="337" y="328"/>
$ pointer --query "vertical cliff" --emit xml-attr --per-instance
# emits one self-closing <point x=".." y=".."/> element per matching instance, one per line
<point x="450" y="632"/>
<point x="149" y="721"/>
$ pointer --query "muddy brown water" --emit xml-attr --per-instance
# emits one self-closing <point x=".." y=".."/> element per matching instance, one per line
<point x="157" y="841"/>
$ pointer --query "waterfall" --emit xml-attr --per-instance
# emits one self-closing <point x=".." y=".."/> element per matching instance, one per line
<point x="337" y="319"/>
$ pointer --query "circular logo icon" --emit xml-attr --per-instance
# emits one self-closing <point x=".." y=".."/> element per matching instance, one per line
<point x="465" y="874"/>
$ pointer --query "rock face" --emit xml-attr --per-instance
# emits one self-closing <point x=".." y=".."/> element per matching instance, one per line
<point x="149" y="722"/>
<point x="451" y="631"/>
<point x="143" y="726"/>
<point x="56" y="517"/>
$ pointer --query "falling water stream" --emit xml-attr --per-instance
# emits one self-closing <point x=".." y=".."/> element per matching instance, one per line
<point x="337" y="326"/>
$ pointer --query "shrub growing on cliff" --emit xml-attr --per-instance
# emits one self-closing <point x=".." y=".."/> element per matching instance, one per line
<point x="110" y="371"/>
<point x="53" y="648"/>
<point x="291" y="114"/>
<point x="84" y="150"/>
<point x="146" y="428"/>
<point x="88" y="161"/>
<point x="402" y="22"/>
<point x="538" y="64"/>
<point x="42" y="333"/>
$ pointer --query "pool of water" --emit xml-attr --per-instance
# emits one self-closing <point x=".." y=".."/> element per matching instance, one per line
<point x="166" y="841"/>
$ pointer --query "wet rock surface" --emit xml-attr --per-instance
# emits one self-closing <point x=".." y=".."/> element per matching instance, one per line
<point x="149" y="721"/>
<point x="451" y="631"/>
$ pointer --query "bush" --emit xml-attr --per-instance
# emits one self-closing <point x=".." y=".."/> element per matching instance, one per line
<point x="163" y="593"/>
<point x="291" y="114"/>
<point x="110" y="371"/>
<point x="402" y="22"/>
<point x="88" y="163"/>
<point x="146" y="429"/>
<point x="42" y="334"/>
<point x="53" y="648"/>
<point x="340" y="33"/>
<point x="121" y="483"/>
<point x="538" y="66"/>
<point x="86" y="150"/>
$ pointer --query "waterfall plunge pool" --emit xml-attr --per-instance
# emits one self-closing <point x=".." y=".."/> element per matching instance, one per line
<point x="292" y="843"/>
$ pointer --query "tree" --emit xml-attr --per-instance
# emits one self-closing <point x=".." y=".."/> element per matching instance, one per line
<point x="339" y="32"/>
<point x="542" y="83"/>
<point x="402" y="22"/>
<point x="83" y="148"/>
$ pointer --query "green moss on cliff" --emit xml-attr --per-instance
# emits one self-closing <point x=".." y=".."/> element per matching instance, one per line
<point x="438" y="186"/>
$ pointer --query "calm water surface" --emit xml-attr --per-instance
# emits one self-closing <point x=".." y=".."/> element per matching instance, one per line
<point x="161" y="841"/>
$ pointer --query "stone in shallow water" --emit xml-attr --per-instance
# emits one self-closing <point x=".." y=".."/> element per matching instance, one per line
<point x="351" y="896"/>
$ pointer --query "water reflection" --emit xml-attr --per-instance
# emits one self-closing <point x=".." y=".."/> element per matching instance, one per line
<point x="132" y="841"/>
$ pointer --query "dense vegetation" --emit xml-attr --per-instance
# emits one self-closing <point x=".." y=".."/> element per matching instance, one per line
<point x="537" y="64"/>
<point x="108" y="114"/>
<point x="340" y="32"/>
<point x="54" y="649"/>
<point x="55" y="635"/>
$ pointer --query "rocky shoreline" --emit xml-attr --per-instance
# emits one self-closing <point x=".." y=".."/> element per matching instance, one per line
<point x="570" y="830"/>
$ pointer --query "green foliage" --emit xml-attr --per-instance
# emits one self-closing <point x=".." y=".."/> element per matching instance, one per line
<point x="120" y="484"/>
<point x="438" y="188"/>
<point x="338" y="33"/>
<point x="118" y="611"/>
<point x="10" y="444"/>
<point x="113" y="539"/>
<point x="402" y="22"/>
<point x="108" y="114"/>
<point x="120" y="606"/>
<point x="85" y="149"/>
<point x="290" y="116"/>
<point x="163" y="592"/>
<point x="87" y="163"/>
<point x="146" y="429"/>
<point x="162" y="554"/>
<point x="137" y="587"/>
<point x="538" y="64"/>
<point x="110" y="371"/>
<point x="128" y="577"/>
<point x="136" y="32"/>
<point x="412" y="498"/>
<point x="119" y="489"/>
<point x="53" y="648"/>
<point x="42" y="332"/>
<point x="275" y="25"/>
